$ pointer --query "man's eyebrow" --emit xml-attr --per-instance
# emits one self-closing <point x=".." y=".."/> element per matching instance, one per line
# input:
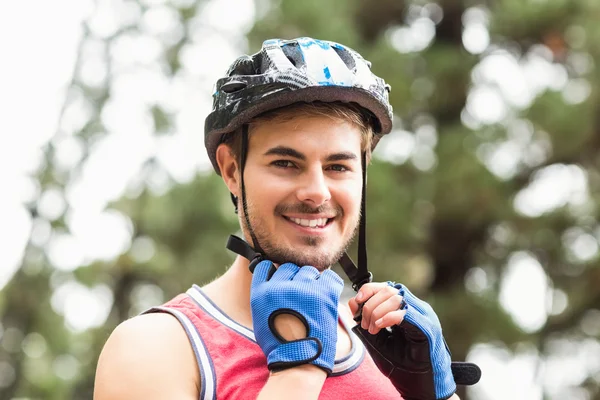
<point x="289" y="152"/>
<point x="286" y="152"/>
<point x="343" y="156"/>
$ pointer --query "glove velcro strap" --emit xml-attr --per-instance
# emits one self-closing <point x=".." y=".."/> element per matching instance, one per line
<point x="294" y="353"/>
<point x="465" y="373"/>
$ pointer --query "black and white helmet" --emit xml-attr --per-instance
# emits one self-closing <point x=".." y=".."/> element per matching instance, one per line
<point x="285" y="72"/>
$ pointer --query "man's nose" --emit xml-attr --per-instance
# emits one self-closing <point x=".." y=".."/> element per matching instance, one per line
<point x="313" y="188"/>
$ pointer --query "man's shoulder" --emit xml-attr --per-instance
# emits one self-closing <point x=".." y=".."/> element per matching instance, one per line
<point x="149" y="329"/>
<point x="146" y="348"/>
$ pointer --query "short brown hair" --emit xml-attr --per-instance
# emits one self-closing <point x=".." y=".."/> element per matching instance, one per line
<point x="338" y="111"/>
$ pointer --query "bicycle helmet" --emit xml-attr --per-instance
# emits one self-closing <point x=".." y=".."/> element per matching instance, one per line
<point x="284" y="72"/>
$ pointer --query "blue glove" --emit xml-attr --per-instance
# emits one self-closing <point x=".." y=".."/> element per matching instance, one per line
<point x="310" y="296"/>
<point x="414" y="354"/>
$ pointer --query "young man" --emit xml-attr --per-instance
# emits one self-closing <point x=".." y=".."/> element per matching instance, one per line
<point x="291" y="132"/>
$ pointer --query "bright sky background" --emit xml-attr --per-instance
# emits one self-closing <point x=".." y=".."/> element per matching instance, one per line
<point x="39" y="54"/>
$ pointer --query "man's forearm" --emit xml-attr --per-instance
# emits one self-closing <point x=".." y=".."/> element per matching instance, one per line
<point x="302" y="382"/>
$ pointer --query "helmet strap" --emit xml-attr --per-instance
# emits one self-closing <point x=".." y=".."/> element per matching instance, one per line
<point x="243" y="157"/>
<point x="359" y="275"/>
<point x="362" y="225"/>
<point x="234" y="200"/>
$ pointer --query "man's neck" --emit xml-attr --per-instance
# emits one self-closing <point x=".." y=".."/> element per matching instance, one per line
<point x="231" y="292"/>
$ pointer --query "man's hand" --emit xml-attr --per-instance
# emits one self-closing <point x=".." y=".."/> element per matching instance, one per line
<point x="302" y="293"/>
<point x="404" y="336"/>
<point x="382" y="306"/>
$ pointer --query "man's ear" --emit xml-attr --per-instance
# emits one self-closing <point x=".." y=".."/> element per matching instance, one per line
<point x="229" y="168"/>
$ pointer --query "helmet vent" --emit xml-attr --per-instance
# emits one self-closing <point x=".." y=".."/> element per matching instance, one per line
<point x="345" y="56"/>
<point x="292" y="52"/>
<point x="233" y="86"/>
<point x="244" y="65"/>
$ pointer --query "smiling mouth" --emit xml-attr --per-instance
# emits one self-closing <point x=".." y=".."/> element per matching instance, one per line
<point x="310" y="223"/>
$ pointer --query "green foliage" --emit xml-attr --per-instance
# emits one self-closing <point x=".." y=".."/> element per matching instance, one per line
<point x="430" y="227"/>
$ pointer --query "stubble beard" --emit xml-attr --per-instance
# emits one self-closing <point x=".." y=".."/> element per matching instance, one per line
<point x="316" y="256"/>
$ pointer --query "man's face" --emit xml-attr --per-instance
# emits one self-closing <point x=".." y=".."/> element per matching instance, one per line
<point x="303" y="182"/>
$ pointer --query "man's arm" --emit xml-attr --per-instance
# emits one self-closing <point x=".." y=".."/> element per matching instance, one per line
<point x="311" y="297"/>
<point x="147" y="357"/>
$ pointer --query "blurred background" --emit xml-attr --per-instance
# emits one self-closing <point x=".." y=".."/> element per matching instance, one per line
<point x="483" y="200"/>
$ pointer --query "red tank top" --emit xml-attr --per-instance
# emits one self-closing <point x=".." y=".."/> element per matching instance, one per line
<point x="233" y="366"/>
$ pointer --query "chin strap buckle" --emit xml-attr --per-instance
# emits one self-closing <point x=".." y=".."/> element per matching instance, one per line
<point x="240" y="247"/>
<point x="257" y="258"/>
<point x="367" y="279"/>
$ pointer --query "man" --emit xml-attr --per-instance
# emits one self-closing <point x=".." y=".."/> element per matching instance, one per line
<point x="291" y="133"/>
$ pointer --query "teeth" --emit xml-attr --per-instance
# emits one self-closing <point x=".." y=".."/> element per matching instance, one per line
<point x="311" y="223"/>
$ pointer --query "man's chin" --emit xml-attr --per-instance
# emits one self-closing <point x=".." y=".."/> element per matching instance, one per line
<point x="320" y="262"/>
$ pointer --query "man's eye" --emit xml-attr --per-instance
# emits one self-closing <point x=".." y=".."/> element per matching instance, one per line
<point x="338" y="168"/>
<point x="283" y="164"/>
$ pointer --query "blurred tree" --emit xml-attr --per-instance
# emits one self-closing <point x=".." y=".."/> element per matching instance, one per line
<point x="493" y="100"/>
